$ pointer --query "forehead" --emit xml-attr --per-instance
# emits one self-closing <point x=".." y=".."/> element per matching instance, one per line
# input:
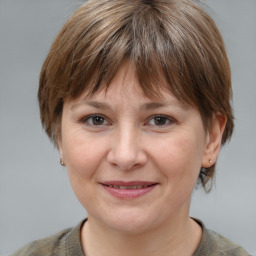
<point x="125" y="89"/>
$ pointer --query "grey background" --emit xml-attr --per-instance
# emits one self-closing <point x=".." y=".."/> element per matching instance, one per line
<point x="35" y="196"/>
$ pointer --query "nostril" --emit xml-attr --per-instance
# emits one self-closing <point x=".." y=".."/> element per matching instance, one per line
<point x="126" y="160"/>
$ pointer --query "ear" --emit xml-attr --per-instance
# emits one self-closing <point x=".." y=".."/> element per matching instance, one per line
<point x="213" y="140"/>
<point x="59" y="145"/>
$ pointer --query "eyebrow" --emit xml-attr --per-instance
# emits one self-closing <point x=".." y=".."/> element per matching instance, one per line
<point x="95" y="104"/>
<point x="156" y="105"/>
<point x="144" y="107"/>
<point x="152" y="105"/>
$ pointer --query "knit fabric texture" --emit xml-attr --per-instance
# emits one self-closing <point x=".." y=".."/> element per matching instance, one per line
<point x="68" y="243"/>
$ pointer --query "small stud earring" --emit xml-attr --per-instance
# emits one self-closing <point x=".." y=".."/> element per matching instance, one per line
<point x="210" y="161"/>
<point x="62" y="163"/>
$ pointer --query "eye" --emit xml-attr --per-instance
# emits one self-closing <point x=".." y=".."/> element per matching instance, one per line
<point x="160" y="120"/>
<point x="95" y="120"/>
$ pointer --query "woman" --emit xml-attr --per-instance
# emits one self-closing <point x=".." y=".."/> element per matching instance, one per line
<point x="136" y="96"/>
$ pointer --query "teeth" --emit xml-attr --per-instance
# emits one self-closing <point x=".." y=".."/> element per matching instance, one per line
<point x="127" y="187"/>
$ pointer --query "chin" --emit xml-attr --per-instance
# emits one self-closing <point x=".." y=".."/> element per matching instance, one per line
<point x="129" y="221"/>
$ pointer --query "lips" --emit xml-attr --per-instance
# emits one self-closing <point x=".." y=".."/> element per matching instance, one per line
<point x="128" y="187"/>
<point x="128" y="190"/>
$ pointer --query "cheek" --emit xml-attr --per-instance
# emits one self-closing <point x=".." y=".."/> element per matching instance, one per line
<point x="82" y="154"/>
<point x="178" y="158"/>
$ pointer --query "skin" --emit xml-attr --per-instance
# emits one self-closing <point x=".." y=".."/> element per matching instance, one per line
<point x="134" y="138"/>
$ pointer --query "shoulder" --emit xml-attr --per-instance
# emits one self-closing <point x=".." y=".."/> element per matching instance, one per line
<point x="215" y="244"/>
<point x="61" y="243"/>
<point x="51" y="244"/>
<point x="225" y="246"/>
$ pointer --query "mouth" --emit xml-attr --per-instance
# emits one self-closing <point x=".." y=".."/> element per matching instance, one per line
<point x="128" y="190"/>
<point x="129" y="187"/>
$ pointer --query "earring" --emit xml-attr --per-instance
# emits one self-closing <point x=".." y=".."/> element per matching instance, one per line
<point x="62" y="163"/>
<point x="210" y="161"/>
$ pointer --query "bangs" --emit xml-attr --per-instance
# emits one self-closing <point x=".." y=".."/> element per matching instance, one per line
<point x="139" y="37"/>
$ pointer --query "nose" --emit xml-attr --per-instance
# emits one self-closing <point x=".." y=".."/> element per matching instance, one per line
<point x="126" y="150"/>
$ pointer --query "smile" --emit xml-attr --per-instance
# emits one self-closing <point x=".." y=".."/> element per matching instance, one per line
<point x="128" y="190"/>
<point x="128" y="187"/>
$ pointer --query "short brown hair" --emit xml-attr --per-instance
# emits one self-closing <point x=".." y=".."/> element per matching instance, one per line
<point x="173" y="44"/>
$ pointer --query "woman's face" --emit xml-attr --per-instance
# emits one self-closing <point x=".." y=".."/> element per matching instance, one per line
<point x="132" y="162"/>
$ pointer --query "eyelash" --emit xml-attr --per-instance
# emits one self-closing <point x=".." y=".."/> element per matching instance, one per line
<point x="88" y="120"/>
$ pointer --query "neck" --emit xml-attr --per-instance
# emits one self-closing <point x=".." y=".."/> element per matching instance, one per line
<point x="174" y="238"/>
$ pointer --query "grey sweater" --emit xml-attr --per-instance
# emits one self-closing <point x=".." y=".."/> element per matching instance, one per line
<point x="67" y="242"/>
